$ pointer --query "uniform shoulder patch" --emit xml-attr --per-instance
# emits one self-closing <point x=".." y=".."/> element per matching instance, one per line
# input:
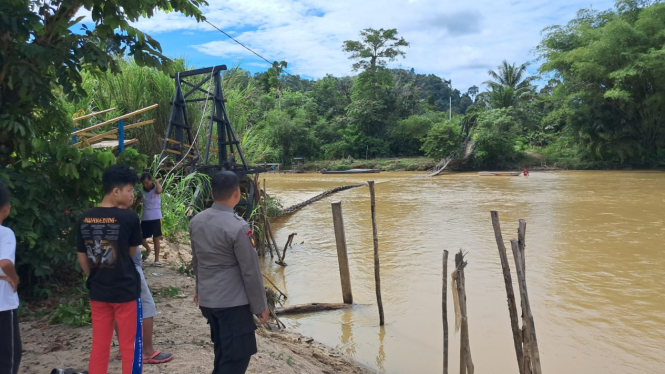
<point x="250" y="235"/>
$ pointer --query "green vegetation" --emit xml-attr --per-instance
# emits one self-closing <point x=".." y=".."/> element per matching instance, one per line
<point x="602" y="106"/>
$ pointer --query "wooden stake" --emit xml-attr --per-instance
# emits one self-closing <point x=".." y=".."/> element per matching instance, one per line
<point x="512" y="305"/>
<point x="286" y="245"/>
<point x="521" y="237"/>
<point x="444" y="309"/>
<point x="342" y="256"/>
<point x="466" y="363"/>
<point x="265" y="211"/>
<point x="532" y="346"/>
<point x="377" y="277"/>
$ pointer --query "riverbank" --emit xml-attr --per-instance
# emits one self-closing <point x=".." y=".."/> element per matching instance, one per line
<point x="383" y="164"/>
<point x="181" y="330"/>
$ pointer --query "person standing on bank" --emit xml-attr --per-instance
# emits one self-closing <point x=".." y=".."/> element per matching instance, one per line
<point x="151" y="219"/>
<point x="229" y="284"/>
<point x="10" y="338"/>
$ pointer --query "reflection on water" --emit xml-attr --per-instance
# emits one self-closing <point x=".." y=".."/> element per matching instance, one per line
<point x="596" y="267"/>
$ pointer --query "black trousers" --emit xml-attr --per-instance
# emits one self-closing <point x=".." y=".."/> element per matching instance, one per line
<point x="232" y="332"/>
<point x="10" y="342"/>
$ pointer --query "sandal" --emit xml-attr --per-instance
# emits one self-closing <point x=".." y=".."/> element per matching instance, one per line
<point x="158" y="358"/>
<point x="157" y="263"/>
<point x="119" y="356"/>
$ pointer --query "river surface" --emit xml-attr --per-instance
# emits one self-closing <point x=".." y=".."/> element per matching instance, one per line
<point x="595" y="267"/>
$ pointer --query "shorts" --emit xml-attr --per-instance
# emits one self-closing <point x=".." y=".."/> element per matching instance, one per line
<point x="152" y="228"/>
<point x="147" y="302"/>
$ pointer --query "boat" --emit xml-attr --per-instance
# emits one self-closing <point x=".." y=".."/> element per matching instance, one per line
<point x="500" y="173"/>
<point x="350" y="171"/>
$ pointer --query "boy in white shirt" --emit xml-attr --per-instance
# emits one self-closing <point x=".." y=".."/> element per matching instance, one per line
<point x="10" y="340"/>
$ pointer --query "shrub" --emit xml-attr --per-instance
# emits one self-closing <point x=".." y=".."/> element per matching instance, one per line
<point x="443" y="139"/>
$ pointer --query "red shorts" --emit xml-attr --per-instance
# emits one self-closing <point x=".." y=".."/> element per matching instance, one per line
<point x="130" y="335"/>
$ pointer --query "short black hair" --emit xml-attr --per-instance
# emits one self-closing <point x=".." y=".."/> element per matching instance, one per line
<point x="145" y="176"/>
<point x="224" y="184"/>
<point x="4" y="196"/>
<point x="117" y="176"/>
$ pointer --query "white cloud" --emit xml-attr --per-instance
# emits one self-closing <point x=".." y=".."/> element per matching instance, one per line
<point x="458" y="40"/>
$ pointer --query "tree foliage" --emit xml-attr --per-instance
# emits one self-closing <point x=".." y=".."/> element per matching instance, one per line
<point x="375" y="48"/>
<point x="612" y="68"/>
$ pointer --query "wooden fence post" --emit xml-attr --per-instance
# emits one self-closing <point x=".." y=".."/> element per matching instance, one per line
<point x="512" y="305"/>
<point x="444" y="308"/>
<point x="466" y="364"/>
<point x="342" y="256"/>
<point x="530" y="336"/>
<point x="377" y="277"/>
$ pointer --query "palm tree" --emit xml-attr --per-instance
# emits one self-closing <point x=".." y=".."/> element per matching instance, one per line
<point x="509" y="84"/>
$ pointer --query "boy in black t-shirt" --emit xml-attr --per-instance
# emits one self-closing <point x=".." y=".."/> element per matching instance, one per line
<point x="107" y="238"/>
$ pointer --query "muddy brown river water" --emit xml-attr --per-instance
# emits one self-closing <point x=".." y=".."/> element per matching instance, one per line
<point x="595" y="262"/>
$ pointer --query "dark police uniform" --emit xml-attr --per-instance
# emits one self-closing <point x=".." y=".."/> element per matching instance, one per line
<point x="229" y="284"/>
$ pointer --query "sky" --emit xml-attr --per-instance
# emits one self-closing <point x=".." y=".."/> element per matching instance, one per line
<point x="458" y="40"/>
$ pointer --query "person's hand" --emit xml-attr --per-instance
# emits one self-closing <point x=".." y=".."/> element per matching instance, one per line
<point x="264" y="316"/>
<point x="13" y="283"/>
<point x="159" y="180"/>
<point x="196" y="299"/>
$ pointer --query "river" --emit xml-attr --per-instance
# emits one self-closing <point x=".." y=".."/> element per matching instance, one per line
<point x="595" y="267"/>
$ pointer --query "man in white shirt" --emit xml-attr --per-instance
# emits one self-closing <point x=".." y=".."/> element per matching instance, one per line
<point x="10" y="340"/>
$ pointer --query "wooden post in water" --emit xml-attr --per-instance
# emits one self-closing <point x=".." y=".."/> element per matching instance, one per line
<point x="512" y="305"/>
<point x="466" y="364"/>
<point x="532" y="346"/>
<point x="521" y="237"/>
<point x="521" y="240"/>
<point x="444" y="310"/>
<point x="377" y="277"/>
<point x="342" y="257"/>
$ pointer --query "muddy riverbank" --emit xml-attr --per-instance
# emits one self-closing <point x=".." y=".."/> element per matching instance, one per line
<point x="181" y="330"/>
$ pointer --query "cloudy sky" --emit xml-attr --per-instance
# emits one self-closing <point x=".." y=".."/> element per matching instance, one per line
<point x="458" y="40"/>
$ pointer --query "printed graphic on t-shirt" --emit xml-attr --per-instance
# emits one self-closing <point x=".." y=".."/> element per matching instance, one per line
<point x="100" y="236"/>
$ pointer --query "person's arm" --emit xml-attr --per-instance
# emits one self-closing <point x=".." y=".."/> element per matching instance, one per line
<point x="10" y="273"/>
<point x="195" y="268"/>
<point x="83" y="263"/>
<point x="251" y="272"/>
<point x="138" y="201"/>
<point x="135" y="237"/>
<point x="158" y="186"/>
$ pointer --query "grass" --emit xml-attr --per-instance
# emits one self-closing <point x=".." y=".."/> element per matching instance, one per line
<point x="170" y="291"/>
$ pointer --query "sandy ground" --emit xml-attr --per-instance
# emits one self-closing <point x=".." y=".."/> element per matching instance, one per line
<point x="181" y="330"/>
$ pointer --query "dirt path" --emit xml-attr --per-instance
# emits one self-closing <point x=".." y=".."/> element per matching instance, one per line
<point x="179" y="329"/>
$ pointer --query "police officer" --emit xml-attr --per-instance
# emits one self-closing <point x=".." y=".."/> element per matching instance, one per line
<point x="229" y="284"/>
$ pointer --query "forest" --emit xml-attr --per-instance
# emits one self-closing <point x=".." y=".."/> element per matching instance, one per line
<point x="597" y="101"/>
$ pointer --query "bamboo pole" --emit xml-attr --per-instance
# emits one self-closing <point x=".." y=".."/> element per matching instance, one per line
<point x="342" y="256"/>
<point x="532" y="347"/>
<point x="116" y="119"/>
<point x="512" y="305"/>
<point x="466" y="363"/>
<point x="265" y="209"/>
<point x="444" y="309"/>
<point x="86" y="116"/>
<point x="377" y="277"/>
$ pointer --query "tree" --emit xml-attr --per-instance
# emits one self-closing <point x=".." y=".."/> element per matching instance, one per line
<point x="407" y="136"/>
<point x="40" y="54"/>
<point x="510" y="75"/>
<point x="374" y="48"/>
<point x="274" y="79"/>
<point x="612" y="68"/>
<point x="472" y="91"/>
<point x="443" y="139"/>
